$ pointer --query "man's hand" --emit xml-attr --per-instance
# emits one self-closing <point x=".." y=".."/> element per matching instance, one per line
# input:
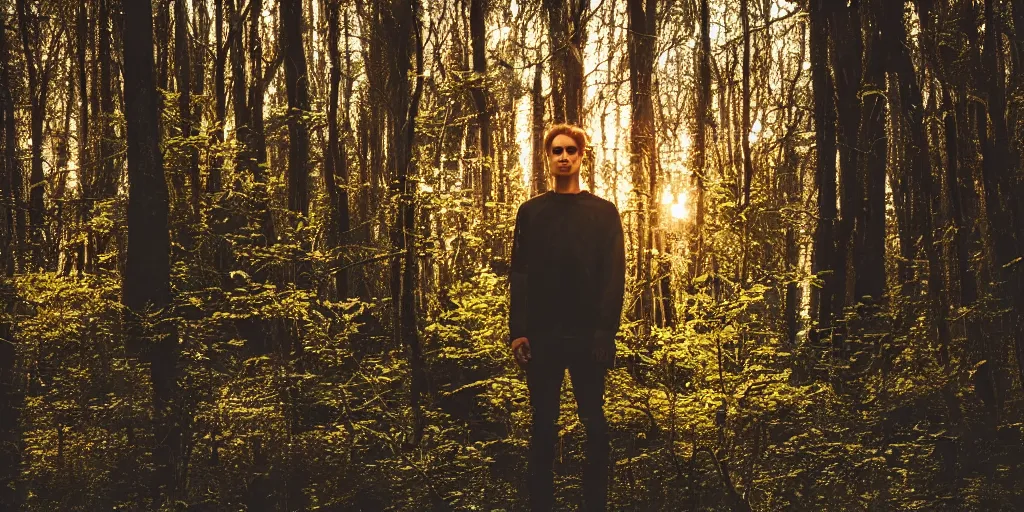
<point x="521" y="351"/>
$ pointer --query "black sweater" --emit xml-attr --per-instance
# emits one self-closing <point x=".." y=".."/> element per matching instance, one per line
<point x="568" y="269"/>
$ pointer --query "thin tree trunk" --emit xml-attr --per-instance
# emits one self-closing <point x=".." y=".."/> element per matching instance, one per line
<point x="85" y="170"/>
<point x="748" y="169"/>
<point x="243" y="160"/>
<point x="38" y="87"/>
<point x="480" y="98"/>
<point x="846" y="33"/>
<point x="190" y="163"/>
<point x="999" y="170"/>
<point x="11" y="398"/>
<point x="214" y="181"/>
<point x="640" y="44"/>
<point x="823" y="263"/>
<point x="107" y="179"/>
<point x="404" y="19"/>
<point x="870" y="263"/>
<point x="557" y="44"/>
<point x="700" y="166"/>
<point x="540" y="177"/>
<point x="924" y="207"/>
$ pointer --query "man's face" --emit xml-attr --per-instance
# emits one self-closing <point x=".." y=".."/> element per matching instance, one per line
<point x="564" y="156"/>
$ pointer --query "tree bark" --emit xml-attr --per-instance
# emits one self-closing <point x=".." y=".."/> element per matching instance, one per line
<point x="11" y="396"/>
<point x="846" y="34"/>
<point x="147" y="272"/>
<point x="297" y="85"/>
<point x="870" y="254"/>
<point x="403" y="18"/>
<point x="700" y="166"/>
<point x="823" y="262"/>
<point x="84" y="165"/>
<point x="243" y="159"/>
<point x="643" y="158"/>
<point x="189" y="165"/>
<point x="335" y="158"/>
<point x="214" y="181"/>
<point x="480" y="98"/>
<point x="107" y="178"/>
<point x="38" y="69"/>
<point x="540" y="176"/>
<point x="924" y="208"/>
<point x="1001" y="181"/>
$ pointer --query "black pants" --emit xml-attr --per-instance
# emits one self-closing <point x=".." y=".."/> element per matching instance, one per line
<point x="544" y="374"/>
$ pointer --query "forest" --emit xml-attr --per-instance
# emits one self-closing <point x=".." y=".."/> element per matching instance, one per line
<point x="255" y="253"/>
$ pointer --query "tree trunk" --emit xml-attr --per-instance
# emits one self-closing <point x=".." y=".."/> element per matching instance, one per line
<point x="11" y="398"/>
<point x="846" y="33"/>
<point x="924" y="207"/>
<point x="243" y="159"/>
<point x="297" y="90"/>
<point x="335" y="158"/>
<point x="297" y="83"/>
<point x="147" y="272"/>
<point x="480" y="97"/>
<point x="791" y="187"/>
<point x="748" y="169"/>
<point x="85" y="169"/>
<point x="999" y="171"/>
<point x="214" y="181"/>
<point x="189" y="165"/>
<point x="556" y="44"/>
<point x="38" y="87"/>
<point x="107" y="178"/>
<point x="870" y="253"/>
<point x="403" y="18"/>
<point x="823" y="263"/>
<point x="540" y="176"/>
<point x="642" y="34"/>
<point x="700" y="166"/>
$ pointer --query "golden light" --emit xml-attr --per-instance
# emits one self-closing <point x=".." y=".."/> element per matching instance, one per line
<point x="679" y="209"/>
<point x="755" y="131"/>
<point x="666" y="195"/>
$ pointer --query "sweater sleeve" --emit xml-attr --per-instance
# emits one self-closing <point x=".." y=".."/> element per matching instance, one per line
<point x="518" y="280"/>
<point x="611" y="284"/>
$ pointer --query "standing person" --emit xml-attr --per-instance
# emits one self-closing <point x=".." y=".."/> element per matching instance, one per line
<point x="567" y="283"/>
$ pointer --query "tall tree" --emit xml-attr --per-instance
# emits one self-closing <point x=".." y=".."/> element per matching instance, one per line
<point x="336" y="156"/>
<point x="213" y="182"/>
<point x="10" y="394"/>
<point x="147" y="271"/>
<point x="41" y="53"/>
<point x="748" y="167"/>
<point x="567" y="37"/>
<point x="924" y="206"/>
<point x="403" y="18"/>
<point x="846" y="62"/>
<point x="539" y="180"/>
<point x="870" y="253"/>
<point x="189" y="165"/>
<point x="477" y="15"/>
<point x="824" y="263"/>
<point x="297" y="85"/>
<point x="643" y="142"/>
<point x="239" y="92"/>
<point x="703" y="119"/>
<point x="85" y="190"/>
<point x="1001" y="178"/>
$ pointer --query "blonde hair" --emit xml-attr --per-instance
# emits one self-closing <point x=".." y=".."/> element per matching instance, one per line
<point x="567" y="129"/>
